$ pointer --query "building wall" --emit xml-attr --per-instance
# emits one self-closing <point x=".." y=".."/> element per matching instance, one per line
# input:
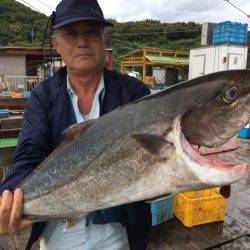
<point x="13" y="65"/>
<point x="248" y="60"/>
<point x="216" y="58"/>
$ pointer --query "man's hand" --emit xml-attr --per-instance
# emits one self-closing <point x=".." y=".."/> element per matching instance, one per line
<point x="11" y="207"/>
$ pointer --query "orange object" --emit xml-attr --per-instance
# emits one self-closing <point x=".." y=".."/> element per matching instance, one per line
<point x="16" y="95"/>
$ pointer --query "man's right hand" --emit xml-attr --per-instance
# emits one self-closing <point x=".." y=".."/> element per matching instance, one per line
<point x="11" y="211"/>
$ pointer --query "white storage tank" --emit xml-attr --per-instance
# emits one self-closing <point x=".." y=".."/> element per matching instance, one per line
<point x="216" y="58"/>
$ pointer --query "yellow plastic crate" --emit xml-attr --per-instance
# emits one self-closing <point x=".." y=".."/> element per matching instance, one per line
<point x="200" y="207"/>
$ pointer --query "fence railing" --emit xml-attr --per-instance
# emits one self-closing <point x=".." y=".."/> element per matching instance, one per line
<point x="19" y="83"/>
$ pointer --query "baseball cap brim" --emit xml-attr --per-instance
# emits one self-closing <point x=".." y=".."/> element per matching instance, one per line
<point x="77" y="19"/>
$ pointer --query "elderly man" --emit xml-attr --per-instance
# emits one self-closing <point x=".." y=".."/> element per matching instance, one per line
<point x="81" y="91"/>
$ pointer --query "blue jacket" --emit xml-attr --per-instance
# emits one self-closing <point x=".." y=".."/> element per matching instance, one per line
<point x="48" y="113"/>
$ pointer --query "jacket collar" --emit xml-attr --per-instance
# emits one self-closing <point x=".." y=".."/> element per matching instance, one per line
<point x="112" y="89"/>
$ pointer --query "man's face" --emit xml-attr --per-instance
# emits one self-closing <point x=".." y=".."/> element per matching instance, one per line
<point x="81" y="46"/>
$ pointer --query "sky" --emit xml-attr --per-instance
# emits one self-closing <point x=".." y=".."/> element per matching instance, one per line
<point x="169" y="11"/>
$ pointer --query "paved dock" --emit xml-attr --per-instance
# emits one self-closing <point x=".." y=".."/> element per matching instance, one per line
<point x="233" y="233"/>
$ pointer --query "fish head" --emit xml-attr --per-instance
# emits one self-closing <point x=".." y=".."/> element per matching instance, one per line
<point x="211" y="122"/>
<point x="211" y="171"/>
<point x="223" y="113"/>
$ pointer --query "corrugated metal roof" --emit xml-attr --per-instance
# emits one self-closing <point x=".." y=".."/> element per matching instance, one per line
<point x="168" y="59"/>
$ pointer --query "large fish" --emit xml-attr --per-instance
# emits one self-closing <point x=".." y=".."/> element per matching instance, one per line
<point x="143" y="150"/>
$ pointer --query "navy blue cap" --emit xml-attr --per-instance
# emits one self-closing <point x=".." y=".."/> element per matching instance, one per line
<point x="70" y="11"/>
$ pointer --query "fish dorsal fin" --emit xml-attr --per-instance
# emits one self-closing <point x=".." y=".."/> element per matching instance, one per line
<point x="70" y="134"/>
<point x="155" y="144"/>
<point x="75" y="130"/>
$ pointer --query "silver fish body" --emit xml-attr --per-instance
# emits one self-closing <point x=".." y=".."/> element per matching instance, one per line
<point x="142" y="150"/>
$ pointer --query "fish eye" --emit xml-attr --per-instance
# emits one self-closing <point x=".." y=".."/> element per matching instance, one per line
<point x="230" y="95"/>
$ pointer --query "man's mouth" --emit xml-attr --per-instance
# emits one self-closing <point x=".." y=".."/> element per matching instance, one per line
<point x="84" y="55"/>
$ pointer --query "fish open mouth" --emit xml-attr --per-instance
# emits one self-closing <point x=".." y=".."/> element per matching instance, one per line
<point x="210" y="170"/>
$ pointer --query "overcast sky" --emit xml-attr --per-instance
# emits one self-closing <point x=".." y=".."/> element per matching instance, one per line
<point x="164" y="10"/>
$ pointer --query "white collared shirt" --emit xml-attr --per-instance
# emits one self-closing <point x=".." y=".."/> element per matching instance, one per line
<point x="95" y="110"/>
<point x="110" y="236"/>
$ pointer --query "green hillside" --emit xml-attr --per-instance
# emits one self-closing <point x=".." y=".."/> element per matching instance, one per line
<point x="129" y="36"/>
<point x="18" y="21"/>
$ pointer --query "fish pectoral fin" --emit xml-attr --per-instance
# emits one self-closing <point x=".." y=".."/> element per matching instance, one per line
<point x="155" y="145"/>
<point x="70" y="223"/>
<point x="159" y="198"/>
<point x="75" y="130"/>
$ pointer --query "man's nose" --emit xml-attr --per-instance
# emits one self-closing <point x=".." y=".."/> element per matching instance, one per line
<point x="82" y="40"/>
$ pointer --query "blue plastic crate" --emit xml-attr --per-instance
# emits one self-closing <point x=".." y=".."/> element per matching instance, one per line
<point x="162" y="210"/>
<point x="244" y="133"/>
<point x="4" y="113"/>
<point x="230" y="32"/>
<point x="232" y="40"/>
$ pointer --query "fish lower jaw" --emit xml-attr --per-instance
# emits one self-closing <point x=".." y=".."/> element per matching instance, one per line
<point x="211" y="172"/>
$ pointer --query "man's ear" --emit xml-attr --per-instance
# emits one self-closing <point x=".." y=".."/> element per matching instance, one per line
<point x="54" y="42"/>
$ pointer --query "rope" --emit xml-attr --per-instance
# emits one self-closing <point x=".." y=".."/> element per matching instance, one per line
<point x="220" y="151"/>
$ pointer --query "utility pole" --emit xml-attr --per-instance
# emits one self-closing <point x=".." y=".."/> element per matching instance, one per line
<point x="32" y="35"/>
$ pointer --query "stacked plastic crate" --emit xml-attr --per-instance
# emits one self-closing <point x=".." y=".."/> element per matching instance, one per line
<point x="230" y="32"/>
<point x="4" y="113"/>
<point x="162" y="210"/>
